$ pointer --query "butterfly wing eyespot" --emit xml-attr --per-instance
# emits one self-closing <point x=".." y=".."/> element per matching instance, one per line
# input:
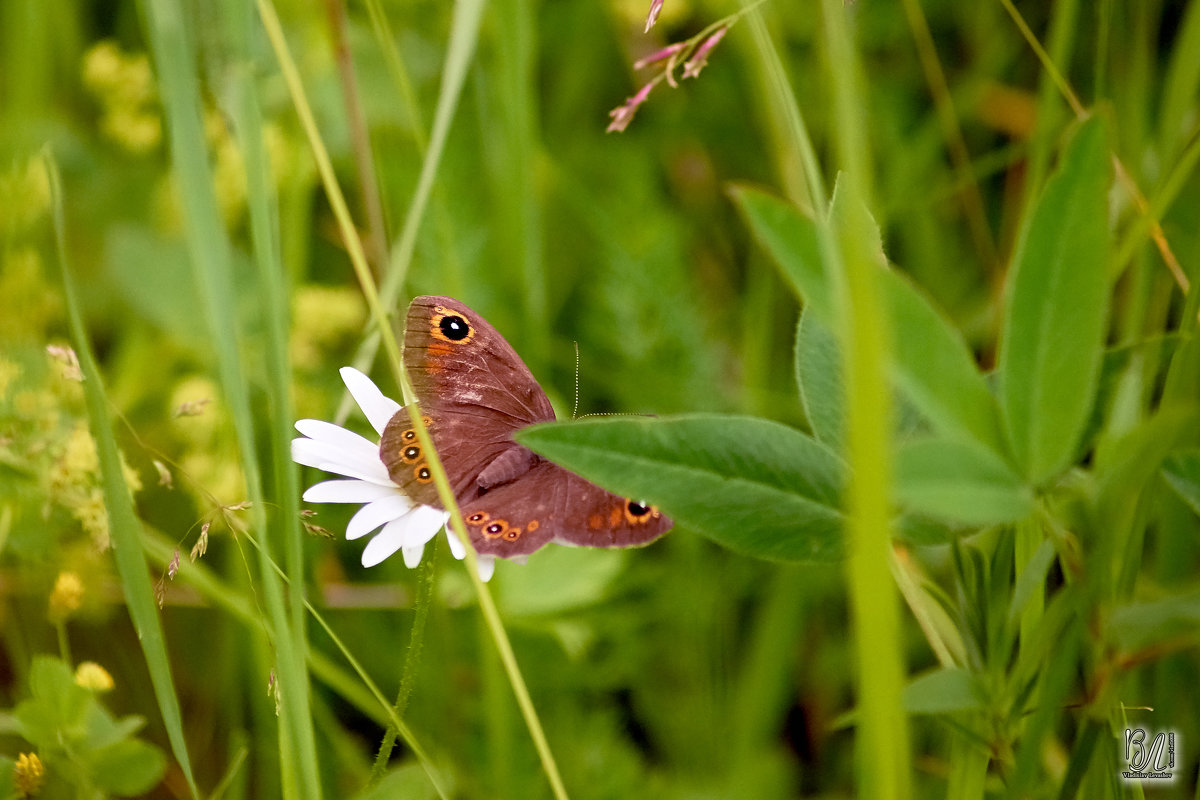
<point x="638" y="512"/>
<point x="450" y="326"/>
<point x="497" y="528"/>
<point x="411" y="454"/>
<point x="478" y="518"/>
<point x="422" y="473"/>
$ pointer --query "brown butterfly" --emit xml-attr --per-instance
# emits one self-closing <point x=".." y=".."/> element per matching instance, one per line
<point x="475" y="392"/>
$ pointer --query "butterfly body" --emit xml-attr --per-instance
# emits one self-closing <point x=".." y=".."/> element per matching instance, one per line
<point x="475" y="392"/>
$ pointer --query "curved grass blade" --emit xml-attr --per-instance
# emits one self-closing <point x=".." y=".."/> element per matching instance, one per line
<point x="124" y="526"/>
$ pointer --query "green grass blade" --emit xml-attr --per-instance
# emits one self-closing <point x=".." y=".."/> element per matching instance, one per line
<point x="246" y="114"/>
<point x="124" y="526"/>
<point x="1056" y="310"/>
<point x="212" y="264"/>
<point x="882" y="749"/>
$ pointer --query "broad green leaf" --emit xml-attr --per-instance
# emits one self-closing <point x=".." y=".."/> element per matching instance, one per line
<point x="1182" y="471"/>
<point x="58" y="707"/>
<point x="791" y="239"/>
<point x="1056" y="309"/>
<point x="819" y="379"/>
<point x="931" y="364"/>
<point x="128" y="768"/>
<point x="408" y="781"/>
<point x="754" y="486"/>
<point x="943" y="691"/>
<point x="960" y="482"/>
<point x="934" y="369"/>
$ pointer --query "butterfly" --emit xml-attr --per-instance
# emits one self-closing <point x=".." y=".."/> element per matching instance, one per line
<point x="475" y="392"/>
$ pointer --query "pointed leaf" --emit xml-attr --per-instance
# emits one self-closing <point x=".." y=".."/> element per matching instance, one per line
<point x="960" y="482"/>
<point x="819" y="378"/>
<point x="1182" y="471"/>
<point x="791" y="239"/>
<point x="754" y="486"/>
<point x="1057" y="301"/>
<point x="931" y="363"/>
<point x="943" y="691"/>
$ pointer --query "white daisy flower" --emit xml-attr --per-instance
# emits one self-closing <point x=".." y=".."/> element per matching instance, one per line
<point x="396" y="522"/>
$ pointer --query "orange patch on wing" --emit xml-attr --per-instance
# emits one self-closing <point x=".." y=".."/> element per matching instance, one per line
<point x="614" y="516"/>
<point x="595" y="522"/>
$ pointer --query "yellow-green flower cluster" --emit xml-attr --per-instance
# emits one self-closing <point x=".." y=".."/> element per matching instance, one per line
<point x="124" y="86"/>
<point x="207" y="461"/>
<point x="24" y="196"/>
<point x="74" y="482"/>
<point x="327" y="318"/>
<point x="67" y="596"/>
<point x="94" y="677"/>
<point x="28" y="775"/>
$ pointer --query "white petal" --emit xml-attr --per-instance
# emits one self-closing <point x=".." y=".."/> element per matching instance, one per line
<point x="377" y="407"/>
<point x="346" y="491"/>
<point x="412" y="555"/>
<point x="337" y="436"/>
<point x="487" y="565"/>
<point x="374" y="514"/>
<point x="416" y="527"/>
<point x="321" y="455"/>
<point x="456" y="546"/>
<point x="386" y="542"/>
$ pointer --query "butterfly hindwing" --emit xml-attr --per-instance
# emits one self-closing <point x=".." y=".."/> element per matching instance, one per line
<point x="550" y="503"/>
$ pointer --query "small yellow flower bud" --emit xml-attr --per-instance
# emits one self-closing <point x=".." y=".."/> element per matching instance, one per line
<point x="66" y="597"/>
<point x="91" y="675"/>
<point x="28" y="775"/>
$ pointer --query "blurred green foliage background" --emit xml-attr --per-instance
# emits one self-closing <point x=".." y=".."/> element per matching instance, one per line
<point x="677" y="671"/>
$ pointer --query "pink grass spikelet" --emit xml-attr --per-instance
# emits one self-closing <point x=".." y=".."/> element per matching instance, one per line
<point x="623" y="115"/>
<point x="652" y="16"/>
<point x="692" y="67"/>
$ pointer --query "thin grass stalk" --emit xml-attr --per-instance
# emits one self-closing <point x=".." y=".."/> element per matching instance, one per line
<point x="211" y="261"/>
<point x="124" y="526"/>
<point x="360" y="138"/>
<point x="1048" y="63"/>
<point x="956" y="145"/>
<point x="426" y="579"/>
<point x="464" y="36"/>
<point x="882" y="747"/>
<point x="515" y="178"/>
<point x="246" y="115"/>
<point x="373" y="704"/>
<point x="810" y="193"/>
<point x="446" y="495"/>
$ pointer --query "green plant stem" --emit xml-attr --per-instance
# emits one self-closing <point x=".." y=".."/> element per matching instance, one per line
<point x="882" y="750"/>
<point x="426" y="580"/>
<point x="358" y="260"/>
<point x="64" y="644"/>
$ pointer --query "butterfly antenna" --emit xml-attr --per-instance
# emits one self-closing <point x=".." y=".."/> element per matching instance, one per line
<point x="575" y="409"/>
